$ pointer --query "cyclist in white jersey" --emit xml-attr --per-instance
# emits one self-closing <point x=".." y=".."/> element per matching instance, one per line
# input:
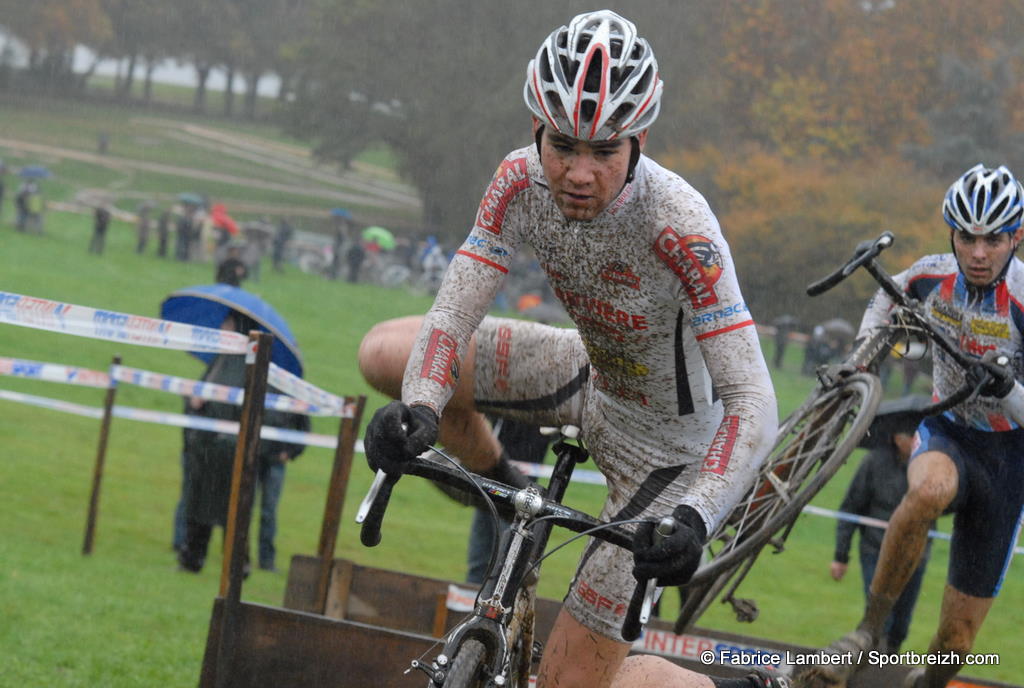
<point x="664" y="373"/>
<point x="969" y="461"/>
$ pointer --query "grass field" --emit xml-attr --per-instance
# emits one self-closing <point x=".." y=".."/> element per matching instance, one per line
<point x="125" y="617"/>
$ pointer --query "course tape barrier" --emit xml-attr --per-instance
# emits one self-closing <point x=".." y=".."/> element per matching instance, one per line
<point x="874" y="522"/>
<point x="94" y="323"/>
<point x="180" y="420"/>
<point x="212" y="391"/>
<point x="53" y="372"/>
<point x="83" y="321"/>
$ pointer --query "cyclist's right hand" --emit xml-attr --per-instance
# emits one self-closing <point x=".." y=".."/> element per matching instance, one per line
<point x="398" y="433"/>
<point x="991" y="376"/>
<point x="674" y="559"/>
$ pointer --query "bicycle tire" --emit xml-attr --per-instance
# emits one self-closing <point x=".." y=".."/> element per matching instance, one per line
<point x="813" y="443"/>
<point x="467" y="666"/>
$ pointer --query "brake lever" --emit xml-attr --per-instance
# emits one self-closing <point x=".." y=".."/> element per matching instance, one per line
<point x="371" y="494"/>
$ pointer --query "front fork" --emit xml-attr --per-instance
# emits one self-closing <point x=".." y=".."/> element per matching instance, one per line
<point x="496" y="601"/>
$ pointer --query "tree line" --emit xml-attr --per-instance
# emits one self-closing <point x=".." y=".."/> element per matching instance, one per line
<point x="808" y="124"/>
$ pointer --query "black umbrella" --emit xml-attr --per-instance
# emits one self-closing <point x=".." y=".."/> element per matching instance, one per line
<point x="901" y="415"/>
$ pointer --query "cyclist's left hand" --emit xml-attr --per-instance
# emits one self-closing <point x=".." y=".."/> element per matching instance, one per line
<point x="993" y="379"/>
<point x="674" y="560"/>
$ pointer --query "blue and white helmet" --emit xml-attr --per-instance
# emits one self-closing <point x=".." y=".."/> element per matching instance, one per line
<point x="595" y="79"/>
<point x="984" y="201"/>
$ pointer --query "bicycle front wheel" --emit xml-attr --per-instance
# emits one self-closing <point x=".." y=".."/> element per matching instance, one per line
<point x="812" y="444"/>
<point x="467" y="666"/>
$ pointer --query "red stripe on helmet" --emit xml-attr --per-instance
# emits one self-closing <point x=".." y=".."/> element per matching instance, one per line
<point x="540" y="100"/>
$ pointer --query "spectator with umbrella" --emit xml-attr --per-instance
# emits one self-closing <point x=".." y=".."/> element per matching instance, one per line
<point x="207" y="457"/>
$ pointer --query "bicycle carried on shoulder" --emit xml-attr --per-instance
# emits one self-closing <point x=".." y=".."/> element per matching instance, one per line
<point x="494" y="645"/>
<point x="814" y="441"/>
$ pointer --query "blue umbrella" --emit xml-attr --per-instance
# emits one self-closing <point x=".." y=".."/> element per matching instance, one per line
<point x="341" y="212"/>
<point x="208" y="305"/>
<point x="34" y="172"/>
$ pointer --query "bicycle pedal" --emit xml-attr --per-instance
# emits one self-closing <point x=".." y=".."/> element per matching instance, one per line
<point x="538" y="650"/>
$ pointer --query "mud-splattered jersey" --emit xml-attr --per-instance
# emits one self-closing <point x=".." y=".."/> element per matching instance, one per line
<point x="981" y="320"/>
<point x="650" y="285"/>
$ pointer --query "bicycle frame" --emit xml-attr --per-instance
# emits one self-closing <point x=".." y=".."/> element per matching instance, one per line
<point x="503" y="609"/>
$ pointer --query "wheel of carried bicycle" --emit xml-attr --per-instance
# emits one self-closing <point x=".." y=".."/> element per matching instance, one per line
<point x="467" y="666"/>
<point x="812" y="444"/>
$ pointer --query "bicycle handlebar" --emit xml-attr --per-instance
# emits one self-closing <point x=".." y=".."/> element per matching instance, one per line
<point x="375" y="503"/>
<point x="864" y="256"/>
<point x="865" y="252"/>
<point x="639" y="610"/>
<point x="371" y="514"/>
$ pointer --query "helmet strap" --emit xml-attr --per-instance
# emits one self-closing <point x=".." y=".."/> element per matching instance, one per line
<point x="634" y="158"/>
<point x="536" y="139"/>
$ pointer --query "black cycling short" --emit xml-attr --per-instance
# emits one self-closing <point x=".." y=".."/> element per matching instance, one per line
<point x="989" y="502"/>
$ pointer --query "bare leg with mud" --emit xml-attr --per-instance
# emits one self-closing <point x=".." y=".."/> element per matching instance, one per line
<point x="463" y="430"/>
<point x="961" y="619"/>
<point x="933" y="480"/>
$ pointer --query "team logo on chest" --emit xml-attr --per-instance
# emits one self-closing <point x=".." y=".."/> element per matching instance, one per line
<point x="695" y="261"/>
<point x="620" y="273"/>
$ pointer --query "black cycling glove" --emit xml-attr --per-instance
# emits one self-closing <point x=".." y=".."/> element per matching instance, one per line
<point x="674" y="560"/>
<point x="991" y="378"/>
<point x="398" y="433"/>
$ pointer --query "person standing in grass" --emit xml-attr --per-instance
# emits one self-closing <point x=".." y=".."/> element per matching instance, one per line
<point x="100" y="223"/>
<point x="875" y="491"/>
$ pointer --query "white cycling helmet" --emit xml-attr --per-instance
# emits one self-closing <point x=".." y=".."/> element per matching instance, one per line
<point x="595" y="79"/>
<point x="984" y="201"/>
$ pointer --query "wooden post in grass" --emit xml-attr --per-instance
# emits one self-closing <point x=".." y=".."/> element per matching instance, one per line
<point x="243" y="479"/>
<point x="101" y="455"/>
<point x="348" y="430"/>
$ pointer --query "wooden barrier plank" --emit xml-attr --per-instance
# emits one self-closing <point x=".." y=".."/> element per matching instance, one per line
<point x="409" y="603"/>
<point x="282" y="647"/>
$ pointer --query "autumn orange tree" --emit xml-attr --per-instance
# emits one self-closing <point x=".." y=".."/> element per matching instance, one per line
<point x="820" y="101"/>
<point x="845" y="78"/>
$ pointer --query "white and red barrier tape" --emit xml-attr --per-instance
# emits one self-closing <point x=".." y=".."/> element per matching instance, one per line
<point x="95" y="323"/>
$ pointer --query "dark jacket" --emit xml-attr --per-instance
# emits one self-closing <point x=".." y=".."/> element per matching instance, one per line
<point x="211" y="455"/>
<point x="875" y="491"/>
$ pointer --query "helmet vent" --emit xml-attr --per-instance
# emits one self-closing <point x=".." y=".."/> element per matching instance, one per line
<point x="587" y="109"/>
<point x="644" y="81"/>
<point x="569" y="69"/>
<point x="545" y="67"/>
<point x="962" y="207"/>
<point x="616" y="48"/>
<point x="979" y="204"/>
<point x="621" y="113"/>
<point x="1000" y="207"/>
<point x="595" y="71"/>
